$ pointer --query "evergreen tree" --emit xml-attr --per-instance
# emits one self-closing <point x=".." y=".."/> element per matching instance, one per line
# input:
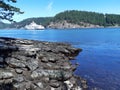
<point x="7" y="11"/>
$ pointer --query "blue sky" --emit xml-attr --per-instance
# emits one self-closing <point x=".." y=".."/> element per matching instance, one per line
<point x="45" y="8"/>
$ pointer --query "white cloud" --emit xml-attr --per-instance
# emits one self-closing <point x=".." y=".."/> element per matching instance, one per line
<point x="50" y="6"/>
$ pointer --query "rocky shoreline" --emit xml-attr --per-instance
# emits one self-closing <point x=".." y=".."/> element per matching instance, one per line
<point x="37" y="65"/>
<point x="66" y="25"/>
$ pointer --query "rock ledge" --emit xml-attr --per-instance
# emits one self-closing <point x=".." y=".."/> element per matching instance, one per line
<point x="36" y="65"/>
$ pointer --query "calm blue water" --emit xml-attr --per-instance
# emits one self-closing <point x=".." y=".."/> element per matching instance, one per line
<point x="100" y="58"/>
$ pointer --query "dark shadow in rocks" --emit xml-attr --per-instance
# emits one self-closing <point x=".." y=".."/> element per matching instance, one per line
<point x="6" y="86"/>
<point x="6" y="48"/>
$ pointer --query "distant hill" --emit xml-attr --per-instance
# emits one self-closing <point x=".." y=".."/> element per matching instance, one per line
<point x="3" y="25"/>
<point x="40" y="20"/>
<point x="77" y="17"/>
<point x="70" y="19"/>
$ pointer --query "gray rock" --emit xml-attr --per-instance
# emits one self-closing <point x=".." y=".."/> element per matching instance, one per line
<point x="83" y="81"/>
<point x="2" y="81"/>
<point x="46" y="48"/>
<point x="44" y="59"/>
<point x="18" y="79"/>
<point x="32" y="64"/>
<point x="28" y="85"/>
<point x="84" y="86"/>
<point x="15" y="63"/>
<point x="53" y="74"/>
<point x="40" y="85"/>
<point x="54" y="84"/>
<point x="19" y="86"/>
<point x="22" y="86"/>
<point x="7" y="81"/>
<point x="74" y="67"/>
<point x="49" y="65"/>
<point x="31" y="53"/>
<point x="33" y="87"/>
<point x="19" y="71"/>
<point x="40" y="55"/>
<point x="6" y="75"/>
<point x="66" y="66"/>
<point x="52" y="59"/>
<point x="20" y="57"/>
<point x="46" y="79"/>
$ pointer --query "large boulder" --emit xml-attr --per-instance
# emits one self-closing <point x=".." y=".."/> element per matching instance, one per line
<point x="52" y="74"/>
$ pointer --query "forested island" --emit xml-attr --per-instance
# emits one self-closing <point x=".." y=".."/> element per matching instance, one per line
<point x="70" y="19"/>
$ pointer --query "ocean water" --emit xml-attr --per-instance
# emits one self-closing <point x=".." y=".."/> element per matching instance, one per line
<point x="100" y="59"/>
